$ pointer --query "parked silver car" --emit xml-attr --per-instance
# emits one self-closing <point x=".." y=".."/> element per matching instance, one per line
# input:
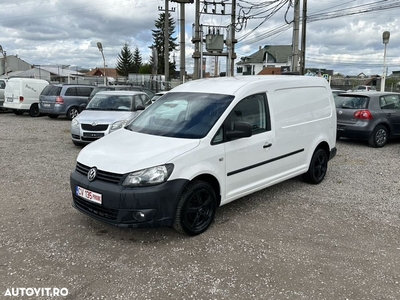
<point x="373" y="117"/>
<point x="106" y="112"/>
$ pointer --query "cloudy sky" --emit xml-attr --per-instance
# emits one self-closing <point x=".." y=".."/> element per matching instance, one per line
<point x="345" y="35"/>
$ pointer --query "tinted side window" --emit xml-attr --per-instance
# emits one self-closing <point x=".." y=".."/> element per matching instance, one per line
<point x="71" y="91"/>
<point x="2" y="84"/>
<point x="51" y="90"/>
<point x="252" y="110"/>
<point x="84" y="91"/>
<point x="389" y="102"/>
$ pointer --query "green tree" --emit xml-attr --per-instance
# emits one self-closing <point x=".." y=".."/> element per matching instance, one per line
<point x="158" y="43"/>
<point x="137" y="60"/>
<point x="145" y="69"/>
<point x="125" y="63"/>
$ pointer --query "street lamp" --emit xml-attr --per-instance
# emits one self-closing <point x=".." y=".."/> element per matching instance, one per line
<point x="100" y="46"/>
<point x="385" y="37"/>
<point x="5" y="60"/>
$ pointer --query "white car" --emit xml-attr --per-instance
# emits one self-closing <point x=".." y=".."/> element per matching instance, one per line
<point x="204" y="144"/>
<point x="106" y="112"/>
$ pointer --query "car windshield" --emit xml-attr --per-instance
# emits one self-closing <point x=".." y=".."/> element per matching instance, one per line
<point x="182" y="115"/>
<point x="351" y="102"/>
<point x="110" y="102"/>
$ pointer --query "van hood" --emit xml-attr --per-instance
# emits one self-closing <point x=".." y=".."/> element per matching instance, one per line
<point x="105" y="117"/>
<point x="124" y="151"/>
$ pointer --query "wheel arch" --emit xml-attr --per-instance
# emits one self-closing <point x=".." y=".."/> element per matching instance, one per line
<point x="213" y="181"/>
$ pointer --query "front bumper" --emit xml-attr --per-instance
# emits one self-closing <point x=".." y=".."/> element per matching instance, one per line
<point x="151" y="206"/>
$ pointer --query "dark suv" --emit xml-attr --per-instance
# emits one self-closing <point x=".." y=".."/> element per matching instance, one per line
<point x="369" y="116"/>
<point x="64" y="99"/>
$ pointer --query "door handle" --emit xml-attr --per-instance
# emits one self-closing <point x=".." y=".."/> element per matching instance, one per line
<point x="267" y="145"/>
<point x="389" y="115"/>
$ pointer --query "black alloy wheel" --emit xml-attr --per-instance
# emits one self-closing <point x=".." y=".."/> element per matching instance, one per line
<point x="34" y="110"/>
<point x="318" y="167"/>
<point x="196" y="208"/>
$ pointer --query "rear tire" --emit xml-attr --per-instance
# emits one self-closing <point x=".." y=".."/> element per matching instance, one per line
<point x="34" y="110"/>
<point x="196" y="208"/>
<point x="72" y="113"/>
<point x="318" y="167"/>
<point x="52" y="116"/>
<point x="379" y="137"/>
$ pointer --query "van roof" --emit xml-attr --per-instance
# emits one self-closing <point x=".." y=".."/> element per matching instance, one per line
<point x="230" y="85"/>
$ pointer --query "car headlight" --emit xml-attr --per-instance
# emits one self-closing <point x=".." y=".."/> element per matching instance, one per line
<point x="149" y="176"/>
<point x="74" y="123"/>
<point x="118" y="125"/>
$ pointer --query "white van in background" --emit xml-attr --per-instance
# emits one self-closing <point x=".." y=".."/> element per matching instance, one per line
<point x="22" y="95"/>
<point x="204" y="144"/>
<point x="2" y="88"/>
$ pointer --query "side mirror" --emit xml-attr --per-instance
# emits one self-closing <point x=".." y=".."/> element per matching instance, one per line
<point x="82" y="106"/>
<point x="140" y="107"/>
<point x="241" y="130"/>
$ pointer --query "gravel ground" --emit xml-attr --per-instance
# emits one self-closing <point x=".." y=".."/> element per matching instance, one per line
<point x="336" y="240"/>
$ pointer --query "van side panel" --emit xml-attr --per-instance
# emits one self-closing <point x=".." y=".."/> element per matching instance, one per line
<point x="300" y="106"/>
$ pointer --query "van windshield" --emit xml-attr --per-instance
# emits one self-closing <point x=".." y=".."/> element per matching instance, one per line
<point x="182" y="115"/>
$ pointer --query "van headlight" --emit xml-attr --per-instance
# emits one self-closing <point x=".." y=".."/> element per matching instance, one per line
<point x="149" y="176"/>
<point x="74" y="123"/>
<point x="118" y="125"/>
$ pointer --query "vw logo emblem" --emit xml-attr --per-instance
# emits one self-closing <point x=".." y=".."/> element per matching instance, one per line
<point x="91" y="175"/>
<point x="94" y="124"/>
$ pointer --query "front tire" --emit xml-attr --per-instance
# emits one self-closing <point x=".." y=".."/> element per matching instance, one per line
<point x="379" y="137"/>
<point x="34" y="110"/>
<point x="318" y="167"/>
<point x="72" y="113"/>
<point x="196" y="208"/>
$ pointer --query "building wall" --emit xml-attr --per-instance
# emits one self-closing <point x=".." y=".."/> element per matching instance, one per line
<point x="14" y="63"/>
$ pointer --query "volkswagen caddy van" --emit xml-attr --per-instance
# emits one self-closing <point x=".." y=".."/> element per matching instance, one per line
<point x="204" y="144"/>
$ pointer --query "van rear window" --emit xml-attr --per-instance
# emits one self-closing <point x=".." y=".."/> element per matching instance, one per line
<point x="51" y="90"/>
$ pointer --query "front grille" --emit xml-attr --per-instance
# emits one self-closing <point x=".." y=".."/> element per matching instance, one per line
<point x="101" y="211"/>
<point x="99" y="127"/>
<point x="101" y="175"/>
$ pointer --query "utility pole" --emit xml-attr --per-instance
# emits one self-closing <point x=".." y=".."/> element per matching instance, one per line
<point x="166" y="46"/>
<point x="196" y="41"/>
<point x="182" y="72"/>
<point x="295" y="43"/>
<point x="233" y="40"/>
<point x="303" y="39"/>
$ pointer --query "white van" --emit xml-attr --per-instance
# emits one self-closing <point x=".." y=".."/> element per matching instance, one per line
<point x="2" y="88"/>
<point x="204" y="144"/>
<point x="22" y="95"/>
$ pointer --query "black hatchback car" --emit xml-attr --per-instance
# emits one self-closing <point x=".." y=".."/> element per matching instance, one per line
<point x="369" y="116"/>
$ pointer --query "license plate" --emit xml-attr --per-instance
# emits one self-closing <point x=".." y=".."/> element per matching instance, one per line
<point x="9" y="99"/>
<point x="93" y="135"/>
<point x="341" y="127"/>
<point x="88" y="195"/>
<point x="46" y="104"/>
